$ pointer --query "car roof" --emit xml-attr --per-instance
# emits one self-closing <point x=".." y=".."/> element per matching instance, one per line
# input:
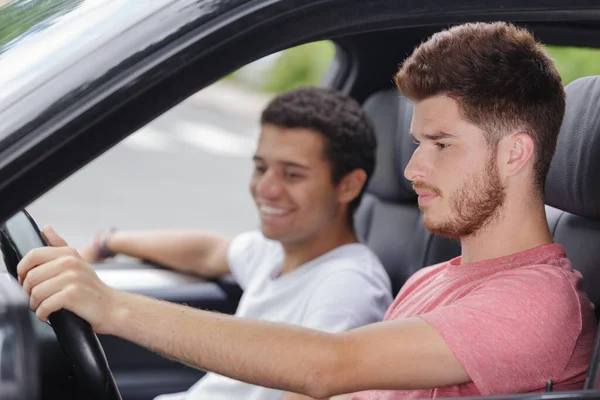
<point x="97" y="62"/>
<point x="86" y="41"/>
<point x="81" y="41"/>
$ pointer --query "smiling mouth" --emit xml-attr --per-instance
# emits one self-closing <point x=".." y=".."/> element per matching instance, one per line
<point x="273" y="211"/>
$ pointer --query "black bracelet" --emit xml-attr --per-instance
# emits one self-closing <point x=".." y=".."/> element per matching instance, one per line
<point x="103" y="251"/>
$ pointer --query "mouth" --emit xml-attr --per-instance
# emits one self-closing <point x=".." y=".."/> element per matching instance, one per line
<point x="426" y="194"/>
<point x="273" y="212"/>
<point x="425" y="199"/>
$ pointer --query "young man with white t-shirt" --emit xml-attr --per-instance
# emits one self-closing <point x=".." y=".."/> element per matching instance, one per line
<point x="305" y="265"/>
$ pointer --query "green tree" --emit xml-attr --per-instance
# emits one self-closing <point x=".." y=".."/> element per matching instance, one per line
<point x="306" y="64"/>
<point x="575" y="62"/>
<point x="298" y="66"/>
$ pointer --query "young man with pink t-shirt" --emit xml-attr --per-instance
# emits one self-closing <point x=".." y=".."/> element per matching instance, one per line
<point x="506" y="316"/>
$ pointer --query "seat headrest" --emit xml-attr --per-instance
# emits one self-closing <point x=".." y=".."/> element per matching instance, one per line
<point x="573" y="182"/>
<point x="391" y="115"/>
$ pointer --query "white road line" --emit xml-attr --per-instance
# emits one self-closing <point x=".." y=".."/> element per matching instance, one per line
<point x="215" y="140"/>
<point x="149" y="138"/>
<point x="208" y="138"/>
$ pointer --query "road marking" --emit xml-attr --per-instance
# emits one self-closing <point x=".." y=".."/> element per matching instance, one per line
<point x="215" y="140"/>
<point x="208" y="138"/>
<point x="149" y="138"/>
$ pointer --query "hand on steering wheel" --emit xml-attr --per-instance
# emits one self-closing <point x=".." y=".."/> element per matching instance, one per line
<point x="59" y="280"/>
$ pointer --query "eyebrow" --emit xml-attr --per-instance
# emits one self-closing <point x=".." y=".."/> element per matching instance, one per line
<point x="435" y="136"/>
<point x="285" y="163"/>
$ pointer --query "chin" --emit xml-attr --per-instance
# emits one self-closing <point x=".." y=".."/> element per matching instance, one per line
<point x="440" y="228"/>
<point x="268" y="233"/>
<point x="272" y="234"/>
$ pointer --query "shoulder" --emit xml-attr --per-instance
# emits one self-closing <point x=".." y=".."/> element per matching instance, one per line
<point x="538" y="279"/>
<point x="423" y="276"/>
<point x="545" y="292"/>
<point x="250" y="253"/>
<point x="252" y="244"/>
<point x="353" y="260"/>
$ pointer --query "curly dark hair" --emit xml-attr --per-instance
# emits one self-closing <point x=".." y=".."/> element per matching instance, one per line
<point x="350" y="141"/>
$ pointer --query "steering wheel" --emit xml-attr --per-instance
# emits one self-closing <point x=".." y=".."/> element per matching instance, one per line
<point x="18" y="236"/>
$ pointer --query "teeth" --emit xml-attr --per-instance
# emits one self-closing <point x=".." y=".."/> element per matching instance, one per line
<point x="271" y="210"/>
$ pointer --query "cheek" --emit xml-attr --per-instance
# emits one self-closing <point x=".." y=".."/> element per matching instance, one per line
<point x="314" y="198"/>
<point x="253" y="185"/>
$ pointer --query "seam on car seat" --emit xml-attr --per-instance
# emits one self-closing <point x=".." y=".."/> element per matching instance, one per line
<point x="562" y="213"/>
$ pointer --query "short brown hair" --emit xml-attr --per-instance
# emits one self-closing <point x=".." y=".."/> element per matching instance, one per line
<point x="502" y="79"/>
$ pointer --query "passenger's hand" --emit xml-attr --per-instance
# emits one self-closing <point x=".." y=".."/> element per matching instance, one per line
<point x="58" y="277"/>
<point x="91" y="251"/>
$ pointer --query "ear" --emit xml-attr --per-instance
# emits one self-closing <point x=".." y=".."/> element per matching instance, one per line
<point x="350" y="185"/>
<point x="514" y="153"/>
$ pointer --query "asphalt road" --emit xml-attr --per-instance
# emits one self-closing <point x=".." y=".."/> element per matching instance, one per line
<point x="190" y="168"/>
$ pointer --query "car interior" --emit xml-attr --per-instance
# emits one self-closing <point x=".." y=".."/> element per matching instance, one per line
<point x="388" y="220"/>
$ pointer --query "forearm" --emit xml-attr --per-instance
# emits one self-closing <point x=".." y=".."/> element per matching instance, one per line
<point x="186" y="251"/>
<point x="280" y="356"/>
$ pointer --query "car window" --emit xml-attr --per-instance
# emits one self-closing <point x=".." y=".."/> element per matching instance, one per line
<point x="66" y="29"/>
<point x="575" y="62"/>
<point x="190" y="167"/>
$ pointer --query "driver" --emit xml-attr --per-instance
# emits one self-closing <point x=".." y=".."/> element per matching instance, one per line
<point x="506" y="316"/>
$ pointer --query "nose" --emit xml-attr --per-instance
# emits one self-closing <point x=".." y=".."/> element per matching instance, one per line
<point x="418" y="167"/>
<point x="268" y="185"/>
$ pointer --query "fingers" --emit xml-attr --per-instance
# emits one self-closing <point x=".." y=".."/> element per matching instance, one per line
<point x="45" y="272"/>
<point x="56" y="285"/>
<point x="53" y="238"/>
<point x="43" y="255"/>
<point x="90" y="252"/>
<point x="57" y="301"/>
<point x="47" y="289"/>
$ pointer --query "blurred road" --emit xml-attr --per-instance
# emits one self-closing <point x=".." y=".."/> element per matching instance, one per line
<point x="187" y="169"/>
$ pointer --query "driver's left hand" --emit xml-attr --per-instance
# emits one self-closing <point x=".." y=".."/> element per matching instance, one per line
<point x="57" y="277"/>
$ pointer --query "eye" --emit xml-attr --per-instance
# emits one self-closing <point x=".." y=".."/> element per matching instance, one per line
<point x="416" y="142"/>
<point x="292" y="175"/>
<point x="259" y="169"/>
<point x="442" y="146"/>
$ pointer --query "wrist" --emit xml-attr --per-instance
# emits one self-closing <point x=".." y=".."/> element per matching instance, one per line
<point x="118" y="312"/>
<point x="103" y="250"/>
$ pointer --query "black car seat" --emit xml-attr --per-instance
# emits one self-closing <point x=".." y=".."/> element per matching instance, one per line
<point x="389" y="221"/>
<point x="573" y="183"/>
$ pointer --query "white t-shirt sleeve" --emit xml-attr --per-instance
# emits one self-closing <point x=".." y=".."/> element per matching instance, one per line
<point x="246" y="253"/>
<point x="345" y="300"/>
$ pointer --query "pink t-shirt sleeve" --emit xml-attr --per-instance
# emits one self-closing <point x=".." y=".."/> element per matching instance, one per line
<point x="515" y="331"/>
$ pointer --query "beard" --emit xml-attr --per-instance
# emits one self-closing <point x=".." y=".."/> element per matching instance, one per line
<point x="473" y="206"/>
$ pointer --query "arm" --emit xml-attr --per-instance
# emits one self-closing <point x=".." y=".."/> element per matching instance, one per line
<point x="202" y="253"/>
<point x="296" y="396"/>
<point x="286" y="357"/>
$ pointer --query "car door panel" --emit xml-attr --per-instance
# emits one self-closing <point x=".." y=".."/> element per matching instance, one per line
<point x="142" y="374"/>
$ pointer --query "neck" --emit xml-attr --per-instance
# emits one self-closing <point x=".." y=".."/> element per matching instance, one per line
<point x="515" y="230"/>
<point x="299" y="253"/>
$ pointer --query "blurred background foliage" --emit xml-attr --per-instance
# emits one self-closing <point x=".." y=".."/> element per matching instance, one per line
<point x="21" y="17"/>
<point x="575" y="62"/>
<point x="306" y="65"/>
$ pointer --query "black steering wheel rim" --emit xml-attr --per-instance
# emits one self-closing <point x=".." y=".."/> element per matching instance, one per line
<point x="75" y="335"/>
